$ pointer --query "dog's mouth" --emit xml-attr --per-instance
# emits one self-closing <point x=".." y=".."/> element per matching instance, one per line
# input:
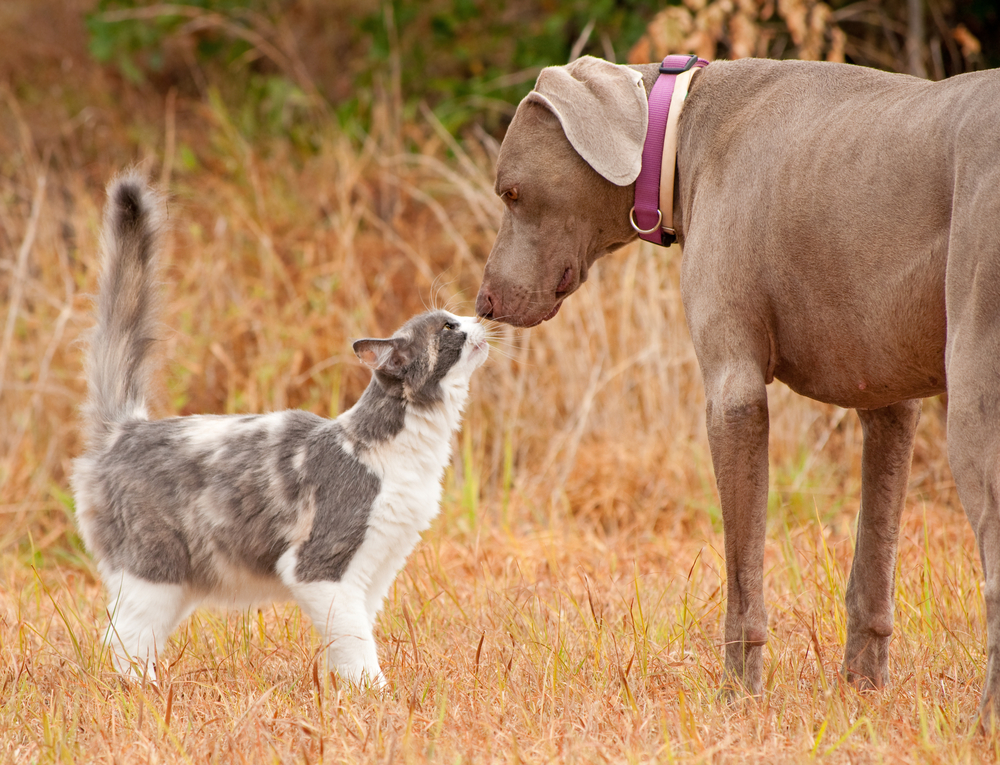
<point x="527" y="323"/>
<point x="489" y="306"/>
<point x="564" y="284"/>
<point x="564" y="289"/>
<point x="553" y="312"/>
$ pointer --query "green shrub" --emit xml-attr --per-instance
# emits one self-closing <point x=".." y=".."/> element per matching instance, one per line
<point x="466" y="58"/>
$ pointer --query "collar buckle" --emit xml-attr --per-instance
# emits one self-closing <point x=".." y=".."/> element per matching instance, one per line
<point x="678" y="67"/>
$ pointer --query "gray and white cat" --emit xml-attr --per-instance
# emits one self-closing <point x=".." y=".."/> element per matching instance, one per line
<point x="244" y="509"/>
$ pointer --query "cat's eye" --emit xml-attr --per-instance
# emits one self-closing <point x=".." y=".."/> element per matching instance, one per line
<point x="450" y="325"/>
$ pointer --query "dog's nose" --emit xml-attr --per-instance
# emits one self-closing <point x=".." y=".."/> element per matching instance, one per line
<point x="484" y="303"/>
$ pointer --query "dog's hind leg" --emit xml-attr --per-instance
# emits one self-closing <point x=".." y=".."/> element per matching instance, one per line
<point x="972" y="363"/>
<point x="885" y="472"/>
<point x="974" y="454"/>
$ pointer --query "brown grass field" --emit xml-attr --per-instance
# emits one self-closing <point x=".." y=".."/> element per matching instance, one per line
<point x="567" y="604"/>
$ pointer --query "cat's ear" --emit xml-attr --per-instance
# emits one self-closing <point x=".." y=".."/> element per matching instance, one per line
<point x="385" y="356"/>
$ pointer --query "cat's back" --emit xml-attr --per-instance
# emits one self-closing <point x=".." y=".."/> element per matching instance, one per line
<point x="173" y="499"/>
<point x="189" y="453"/>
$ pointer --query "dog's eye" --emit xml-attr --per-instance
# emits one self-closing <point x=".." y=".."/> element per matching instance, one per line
<point x="510" y="195"/>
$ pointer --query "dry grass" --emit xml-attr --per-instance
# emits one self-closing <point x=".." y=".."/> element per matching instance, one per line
<point x="567" y="604"/>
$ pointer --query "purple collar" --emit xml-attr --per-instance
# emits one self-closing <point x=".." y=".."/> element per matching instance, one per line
<point x="647" y="216"/>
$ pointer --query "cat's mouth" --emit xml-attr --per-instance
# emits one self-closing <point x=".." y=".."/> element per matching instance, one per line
<point x="480" y="347"/>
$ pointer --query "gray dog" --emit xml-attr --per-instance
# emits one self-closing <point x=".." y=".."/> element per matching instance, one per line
<point x="841" y="233"/>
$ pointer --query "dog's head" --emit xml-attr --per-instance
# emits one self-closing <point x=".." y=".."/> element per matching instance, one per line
<point x="565" y="173"/>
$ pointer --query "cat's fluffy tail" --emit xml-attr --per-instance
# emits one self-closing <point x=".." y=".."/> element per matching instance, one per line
<point x="118" y="364"/>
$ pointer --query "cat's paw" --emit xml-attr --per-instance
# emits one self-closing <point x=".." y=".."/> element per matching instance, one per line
<point x="133" y="672"/>
<point x="365" y="678"/>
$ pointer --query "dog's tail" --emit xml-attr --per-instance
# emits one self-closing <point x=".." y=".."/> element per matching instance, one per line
<point x="118" y="364"/>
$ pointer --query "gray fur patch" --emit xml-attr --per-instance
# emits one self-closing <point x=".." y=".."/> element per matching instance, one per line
<point x="343" y="507"/>
<point x="379" y="415"/>
<point x="434" y="343"/>
<point x="254" y="496"/>
<point x="142" y="484"/>
<point x="175" y="507"/>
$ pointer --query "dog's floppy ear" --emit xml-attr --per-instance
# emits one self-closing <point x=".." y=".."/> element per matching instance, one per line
<point x="603" y="111"/>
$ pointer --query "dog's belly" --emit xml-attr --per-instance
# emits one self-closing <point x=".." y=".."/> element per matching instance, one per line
<point x="864" y="361"/>
<point x="861" y="323"/>
<point x="857" y="322"/>
<point x="853" y="388"/>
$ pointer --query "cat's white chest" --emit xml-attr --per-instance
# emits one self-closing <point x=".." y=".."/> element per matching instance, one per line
<point x="411" y="467"/>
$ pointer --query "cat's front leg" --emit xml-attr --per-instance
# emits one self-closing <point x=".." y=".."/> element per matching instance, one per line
<point x="339" y="613"/>
<point x="382" y="575"/>
<point x="351" y="649"/>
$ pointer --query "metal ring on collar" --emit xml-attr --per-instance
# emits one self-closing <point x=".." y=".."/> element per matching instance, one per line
<point x="631" y="219"/>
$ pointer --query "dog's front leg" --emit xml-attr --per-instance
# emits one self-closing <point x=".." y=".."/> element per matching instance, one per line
<point x="737" y="433"/>
<point x="885" y="472"/>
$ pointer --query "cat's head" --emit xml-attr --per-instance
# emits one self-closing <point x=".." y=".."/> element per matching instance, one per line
<point x="425" y="355"/>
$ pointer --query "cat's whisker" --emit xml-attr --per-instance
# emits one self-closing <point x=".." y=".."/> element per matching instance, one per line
<point x="436" y="289"/>
<point x="507" y="355"/>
